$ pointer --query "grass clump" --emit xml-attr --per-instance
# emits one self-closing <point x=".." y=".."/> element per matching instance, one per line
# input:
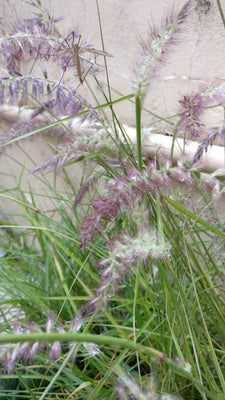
<point x="116" y="288"/>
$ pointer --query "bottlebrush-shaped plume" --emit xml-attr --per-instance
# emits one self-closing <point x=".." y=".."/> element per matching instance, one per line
<point x="193" y="106"/>
<point x="124" y="253"/>
<point x="11" y="354"/>
<point x="154" y="50"/>
<point x="122" y="193"/>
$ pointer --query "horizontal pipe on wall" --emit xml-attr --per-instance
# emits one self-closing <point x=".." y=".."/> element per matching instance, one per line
<point x="154" y="142"/>
<point x="157" y="143"/>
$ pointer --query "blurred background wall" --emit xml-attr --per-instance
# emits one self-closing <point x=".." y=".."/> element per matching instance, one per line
<point x="197" y="59"/>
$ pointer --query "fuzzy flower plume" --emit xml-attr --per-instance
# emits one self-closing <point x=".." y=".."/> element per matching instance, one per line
<point x="122" y="193"/>
<point x="214" y="183"/>
<point x="86" y="139"/>
<point x="62" y="101"/>
<point x="193" y="106"/>
<point x="154" y="50"/>
<point x="29" y="38"/>
<point x="128" y="388"/>
<point x="22" y="127"/>
<point x="124" y="253"/>
<point x="120" y="196"/>
<point x="215" y="93"/>
<point x="38" y="39"/>
<point x="11" y="354"/>
<point x="207" y="142"/>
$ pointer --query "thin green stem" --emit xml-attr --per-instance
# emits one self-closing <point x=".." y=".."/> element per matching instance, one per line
<point x="68" y="356"/>
<point x="221" y="12"/>
<point x="106" y="68"/>
<point x="159" y="218"/>
<point x="81" y="337"/>
<point x="134" y="312"/>
<point x="138" y="130"/>
<point x="60" y="121"/>
<point x="210" y="344"/>
<point x="197" y="219"/>
<point x="58" y="373"/>
<point x="104" y="340"/>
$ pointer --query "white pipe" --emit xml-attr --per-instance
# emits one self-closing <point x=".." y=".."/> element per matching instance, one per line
<point x="154" y="142"/>
<point x="162" y="144"/>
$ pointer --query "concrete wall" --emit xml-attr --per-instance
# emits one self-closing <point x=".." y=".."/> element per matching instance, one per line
<point x="198" y="58"/>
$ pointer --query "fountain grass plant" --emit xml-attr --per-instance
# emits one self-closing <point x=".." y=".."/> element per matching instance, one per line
<point x="116" y="290"/>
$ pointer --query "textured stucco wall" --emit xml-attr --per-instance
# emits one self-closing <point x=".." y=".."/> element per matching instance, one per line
<point x="197" y="59"/>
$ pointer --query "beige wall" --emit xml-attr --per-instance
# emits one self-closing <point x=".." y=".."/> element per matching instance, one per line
<point x="198" y="58"/>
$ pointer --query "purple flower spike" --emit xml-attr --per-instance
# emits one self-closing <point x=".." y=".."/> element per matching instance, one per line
<point x="49" y="324"/>
<point x="208" y="141"/>
<point x="154" y="50"/>
<point x="123" y="254"/>
<point x="32" y="353"/>
<point x="192" y="108"/>
<point x="55" y="350"/>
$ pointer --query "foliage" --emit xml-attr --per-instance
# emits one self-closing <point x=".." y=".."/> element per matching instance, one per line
<point x="116" y="290"/>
